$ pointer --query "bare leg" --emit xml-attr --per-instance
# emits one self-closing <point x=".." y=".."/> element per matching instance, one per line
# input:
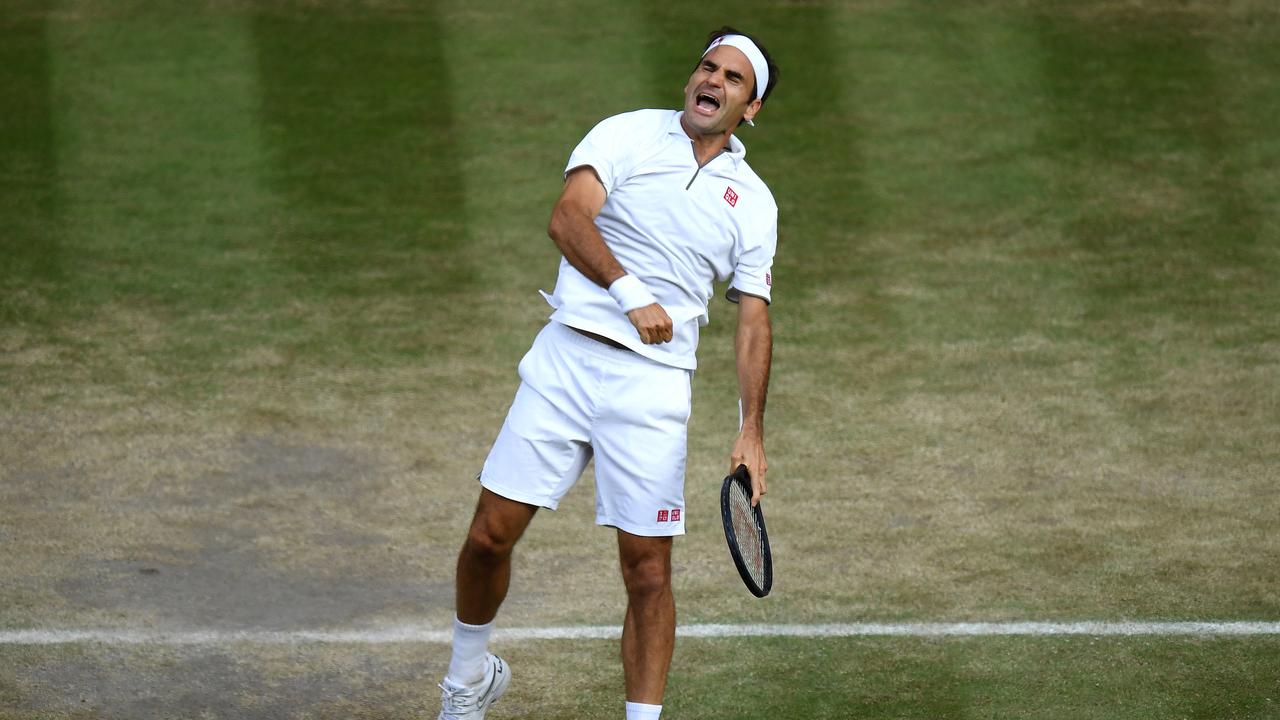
<point x="649" y="630"/>
<point x="484" y="565"/>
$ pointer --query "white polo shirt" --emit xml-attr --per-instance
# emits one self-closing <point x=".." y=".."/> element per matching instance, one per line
<point x="674" y="226"/>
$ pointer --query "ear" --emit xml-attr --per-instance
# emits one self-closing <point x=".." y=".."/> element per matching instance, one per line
<point x="752" y="108"/>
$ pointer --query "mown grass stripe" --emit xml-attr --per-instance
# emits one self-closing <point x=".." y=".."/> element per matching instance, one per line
<point x="363" y="150"/>
<point x="422" y="634"/>
<point x="157" y="158"/>
<point x="29" y="241"/>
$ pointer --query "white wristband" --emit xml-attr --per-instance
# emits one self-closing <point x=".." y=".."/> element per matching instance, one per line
<point x="630" y="293"/>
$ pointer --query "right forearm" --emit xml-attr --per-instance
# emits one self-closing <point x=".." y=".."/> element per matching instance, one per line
<point x="573" y="228"/>
<point x="582" y="245"/>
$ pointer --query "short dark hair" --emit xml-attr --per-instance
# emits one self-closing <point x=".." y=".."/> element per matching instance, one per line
<point x="768" y="59"/>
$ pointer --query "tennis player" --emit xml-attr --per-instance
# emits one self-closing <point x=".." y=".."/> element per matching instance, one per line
<point x="656" y="206"/>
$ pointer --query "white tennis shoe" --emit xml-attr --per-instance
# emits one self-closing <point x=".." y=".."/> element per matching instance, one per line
<point x="463" y="702"/>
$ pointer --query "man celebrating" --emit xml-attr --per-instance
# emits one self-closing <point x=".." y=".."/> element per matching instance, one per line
<point x="656" y="206"/>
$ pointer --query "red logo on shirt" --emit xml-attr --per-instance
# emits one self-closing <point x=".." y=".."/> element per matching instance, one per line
<point x="768" y="279"/>
<point x="669" y="515"/>
<point x="663" y="515"/>
<point x="731" y="197"/>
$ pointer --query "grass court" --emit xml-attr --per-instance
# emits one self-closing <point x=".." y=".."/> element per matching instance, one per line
<point x="267" y="268"/>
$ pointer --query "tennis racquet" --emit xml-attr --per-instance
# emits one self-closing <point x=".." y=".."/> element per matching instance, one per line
<point x="745" y="533"/>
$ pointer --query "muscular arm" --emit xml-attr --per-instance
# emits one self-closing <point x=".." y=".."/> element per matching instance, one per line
<point x="574" y="231"/>
<point x="753" y="345"/>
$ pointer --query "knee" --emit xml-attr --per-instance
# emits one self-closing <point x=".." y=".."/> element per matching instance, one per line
<point x="648" y="576"/>
<point x="496" y="526"/>
<point x="489" y="542"/>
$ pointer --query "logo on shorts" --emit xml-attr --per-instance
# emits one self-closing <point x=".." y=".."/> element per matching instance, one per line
<point x="768" y="279"/>
<point x="731" y="197"/>
<point x="672" y="515"/>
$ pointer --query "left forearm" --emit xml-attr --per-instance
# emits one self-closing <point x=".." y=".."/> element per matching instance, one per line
<point x="753" y="346"/>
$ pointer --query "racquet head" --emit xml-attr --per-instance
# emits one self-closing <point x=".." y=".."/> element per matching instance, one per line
<point x="745" y="533"/>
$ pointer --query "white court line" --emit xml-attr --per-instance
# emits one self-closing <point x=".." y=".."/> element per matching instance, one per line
<point x="432" y="634"/>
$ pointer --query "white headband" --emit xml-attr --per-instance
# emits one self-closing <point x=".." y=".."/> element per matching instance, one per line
<point x="748" y="48"/>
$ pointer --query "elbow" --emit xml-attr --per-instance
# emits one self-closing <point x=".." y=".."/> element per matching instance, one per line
<point x="554" y="226"/>
<point x="558" y="227"/>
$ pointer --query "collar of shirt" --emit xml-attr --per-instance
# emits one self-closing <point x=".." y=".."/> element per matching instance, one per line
<point x="735" y="150"/>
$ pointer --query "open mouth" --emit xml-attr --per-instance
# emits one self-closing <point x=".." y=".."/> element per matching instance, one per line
<point x="707" y="102"/>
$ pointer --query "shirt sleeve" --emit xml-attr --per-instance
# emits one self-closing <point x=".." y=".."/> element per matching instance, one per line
<point x="753" y="273"/>
<point x="605" y="149"/>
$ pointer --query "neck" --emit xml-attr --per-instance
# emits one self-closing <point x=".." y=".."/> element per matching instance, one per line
<point x="706" y="146"/>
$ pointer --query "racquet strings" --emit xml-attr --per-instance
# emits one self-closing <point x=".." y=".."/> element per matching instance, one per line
<point x="747" y="533"/>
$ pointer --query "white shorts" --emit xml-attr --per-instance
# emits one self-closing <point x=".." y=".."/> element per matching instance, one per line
<point x="577" y="397"/>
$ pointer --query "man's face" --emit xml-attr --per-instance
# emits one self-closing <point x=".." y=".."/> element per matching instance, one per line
<point x="718" y="94"/>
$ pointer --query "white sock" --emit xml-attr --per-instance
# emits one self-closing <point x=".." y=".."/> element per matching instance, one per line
<point x="470" y="644"/>
<point x="640" y="711"/>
